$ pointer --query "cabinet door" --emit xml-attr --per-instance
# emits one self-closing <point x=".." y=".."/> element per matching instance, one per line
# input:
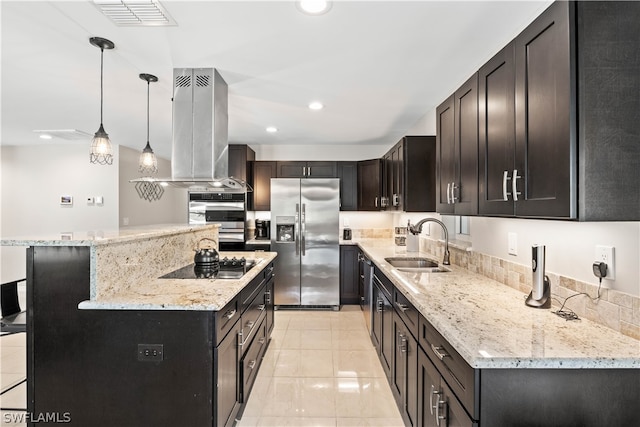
<point x="386" y="347"/>
<point x="227" y="385"/>
<point x="404" y="374"/>
<point x="429" y="391"/>
<point x="376" y="318"/>
<point x="321" y="170"/>
<point x="369" y="185"/>
<point x="348" y="174"/>
<point x="418" y="171"/>
<point x="291" y="169"/>
<point x="262" y="174"/>
<point x="397" y="158"/>
<point x="496" y="133"/>
<point x="452" y="410"/>
<point x="268" y="300"/>
<point x="545" y="147"/>
<point x="349" y="279"/>
<point x="445" y="155"/>
<point x="465" y="182"/>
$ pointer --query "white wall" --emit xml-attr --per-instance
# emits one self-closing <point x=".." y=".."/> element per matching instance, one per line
<point x="134" y="211"/>
<point x="33" y="178"/>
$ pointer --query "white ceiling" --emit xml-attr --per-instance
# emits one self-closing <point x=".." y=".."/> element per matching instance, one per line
<point x="378" y="66"/>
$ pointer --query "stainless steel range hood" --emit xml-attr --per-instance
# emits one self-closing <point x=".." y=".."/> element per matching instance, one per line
<point x="200" y="155"/>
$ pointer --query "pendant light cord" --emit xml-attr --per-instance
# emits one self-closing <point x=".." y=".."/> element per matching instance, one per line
<point x="101" y="72"/>
<point x="148" y="83"/>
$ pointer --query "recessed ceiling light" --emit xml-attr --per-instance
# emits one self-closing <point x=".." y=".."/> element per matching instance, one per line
<point x="67" y="134"/>
<point x="45" y="136"/>
<point x="316" y="105"/>
<point x="314" y="7"/>
<point x="272" y="129"/>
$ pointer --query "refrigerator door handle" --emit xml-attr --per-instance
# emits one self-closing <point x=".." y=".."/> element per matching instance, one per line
<point x="303" y="230"/>
<point x="296" y="229"/>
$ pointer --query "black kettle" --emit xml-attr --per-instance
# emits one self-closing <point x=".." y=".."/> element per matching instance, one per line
<point x="206" y="256"/>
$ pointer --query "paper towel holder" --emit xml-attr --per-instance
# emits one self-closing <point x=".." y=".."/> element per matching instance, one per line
<point x="540" y="295"/>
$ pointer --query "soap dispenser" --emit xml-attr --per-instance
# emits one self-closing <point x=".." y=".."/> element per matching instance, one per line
<point x="540" y="296"/>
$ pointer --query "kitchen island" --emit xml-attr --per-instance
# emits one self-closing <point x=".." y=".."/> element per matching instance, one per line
<point x="492" y="360"/>
<point x="111" y="343"/>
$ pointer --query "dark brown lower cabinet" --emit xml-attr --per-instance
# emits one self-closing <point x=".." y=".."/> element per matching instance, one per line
<point x="349" y="277"/>
<point x="404" y="376"/>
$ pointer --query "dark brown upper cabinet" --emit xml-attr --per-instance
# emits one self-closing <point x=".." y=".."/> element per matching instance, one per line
<point x="409" y="170"/>
<point x="295" y="169"/>
<point x="370" y="185"/>
<point x="348" y="174"/>
<point x="457" y="151"/>
<point x="496" y="133"/>
<point x="558" y="117"/>
<point x="240" y="158"/>
<point x="260" y="198"/>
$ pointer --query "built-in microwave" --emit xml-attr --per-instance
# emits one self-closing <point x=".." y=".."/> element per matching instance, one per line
<point x="224" y="208"/>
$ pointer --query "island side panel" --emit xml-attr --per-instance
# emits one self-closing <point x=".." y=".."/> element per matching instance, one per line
<point x="85" y="362"/>
<point x="559" y="397"/>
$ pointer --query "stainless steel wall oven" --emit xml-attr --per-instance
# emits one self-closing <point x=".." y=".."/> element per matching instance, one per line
<point x="225" y="208"/>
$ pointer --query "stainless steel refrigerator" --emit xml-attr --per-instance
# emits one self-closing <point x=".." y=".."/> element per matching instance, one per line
<point x="304" y="232"/>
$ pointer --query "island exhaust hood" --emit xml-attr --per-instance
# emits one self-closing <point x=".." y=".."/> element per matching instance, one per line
<point x="200" y="154"/>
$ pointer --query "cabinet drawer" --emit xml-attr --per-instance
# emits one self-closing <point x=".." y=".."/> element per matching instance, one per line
<point x="225" y="319"/>
<point x="454" y="369"/>
<point x="251" y="360"/>
<point x="406" y="311"/>
<point x="249" y="292"/>
<point x="251" y="318"/>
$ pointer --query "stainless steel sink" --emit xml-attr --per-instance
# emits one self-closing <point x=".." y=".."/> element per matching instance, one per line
<point x="416" y="265"/>
<point x="411" y="262"/>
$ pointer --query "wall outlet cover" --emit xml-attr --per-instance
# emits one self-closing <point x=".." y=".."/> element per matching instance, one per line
<point x="512" y="243"/>
<point x="606" y="254"/>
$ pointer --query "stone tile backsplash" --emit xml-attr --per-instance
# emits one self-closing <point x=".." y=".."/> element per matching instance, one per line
<point x="616" y="310"/>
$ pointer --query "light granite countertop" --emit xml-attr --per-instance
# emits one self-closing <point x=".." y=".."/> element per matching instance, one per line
<point x="103" y="237"/>
<point x="490" y="326"/>
<point x="181" y="294"/>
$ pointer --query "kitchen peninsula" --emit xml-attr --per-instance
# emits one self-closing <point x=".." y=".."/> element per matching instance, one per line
<point x="109" y="342"/>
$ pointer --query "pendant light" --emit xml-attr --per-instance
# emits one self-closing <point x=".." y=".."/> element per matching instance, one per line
<point x="101" y="151"/>
<point x="148" y="163"/>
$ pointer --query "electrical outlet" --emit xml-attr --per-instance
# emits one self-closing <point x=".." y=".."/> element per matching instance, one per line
<point x="606" y="254"/>
<point x="512" y="243"/>
<point x="150" y="352"/>
<point x="90" y="201"/>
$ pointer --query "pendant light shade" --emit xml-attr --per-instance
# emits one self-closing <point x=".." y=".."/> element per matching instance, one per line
<point x="101" y="151"/>
<point x="148" y="163"/>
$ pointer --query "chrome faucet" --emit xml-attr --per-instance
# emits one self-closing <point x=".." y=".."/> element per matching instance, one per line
<point x="417" y="229"/>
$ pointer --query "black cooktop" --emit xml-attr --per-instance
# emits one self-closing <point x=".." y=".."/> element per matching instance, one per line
<point x="228" y="269"/>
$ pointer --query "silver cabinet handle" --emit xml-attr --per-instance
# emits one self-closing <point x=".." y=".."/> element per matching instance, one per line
<point x="396" y="199"/>
<point x="402" y="307"/>
<point x="402" y="345"/>
<point x="505" y="178"/>
<point x="375" y="202"/>
<point x="453" y="192"/>
<point x="261" y="340"/>
<point x="250" y="324"/>
<point x="261" y="307"/>
<point x="267" y="297"/>
<point x="229" y="314"/>
<point x="240" y="339"/>
<point x="514" y="185"/>
<point x="308" y="170"/>
<point x="448" y="193"/>
<point x="379" y="305"/>
<point x="439" y="352"/>
<point x="251" y="364"/>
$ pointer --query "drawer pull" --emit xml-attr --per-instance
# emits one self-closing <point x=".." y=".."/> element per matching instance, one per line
<point x="402" y="307"/>
<point x="261" y="307"/>
<point x="267" y="297"/>
<point x="250" y="324"/>
<point x="261" y="340"/>
<point x="439" y="352"/>
<point x="251" y="364"/>
<point x="379" y="305"/>
<point x="229" y="314"/>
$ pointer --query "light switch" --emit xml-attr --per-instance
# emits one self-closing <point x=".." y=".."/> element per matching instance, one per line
<point x="99" y="200"/>
<point x="90" y="201"/>
<point x="512" y="239"/>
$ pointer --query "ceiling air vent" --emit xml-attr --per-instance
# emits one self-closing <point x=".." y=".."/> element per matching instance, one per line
<point x="135" y="13"/>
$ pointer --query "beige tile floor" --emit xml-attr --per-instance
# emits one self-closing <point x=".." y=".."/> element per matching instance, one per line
<point x="320" y="370"/>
